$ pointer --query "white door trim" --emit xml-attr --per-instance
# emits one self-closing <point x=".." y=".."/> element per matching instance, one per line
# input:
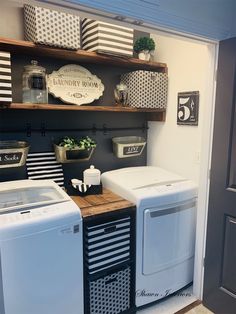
<point x="204" y="178"/>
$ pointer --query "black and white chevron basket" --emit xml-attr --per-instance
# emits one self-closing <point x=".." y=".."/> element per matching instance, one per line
<point x="107" y="38"/>
<point x="5" y="78"/>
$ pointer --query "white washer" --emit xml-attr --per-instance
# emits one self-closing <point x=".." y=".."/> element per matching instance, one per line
<point x="41" y="250"/>
<point x="165" y="228"/>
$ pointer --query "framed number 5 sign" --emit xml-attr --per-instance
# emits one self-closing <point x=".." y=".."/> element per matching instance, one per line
<point x="187" y="109"/>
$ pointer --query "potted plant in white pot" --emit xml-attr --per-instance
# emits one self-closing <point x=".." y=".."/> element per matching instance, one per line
<point x="70" y="149"/>
<point x="143" y="46"/>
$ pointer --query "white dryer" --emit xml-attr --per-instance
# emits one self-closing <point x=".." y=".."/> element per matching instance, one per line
<point x="41" y="256"/>
<point x="165" y="228"/>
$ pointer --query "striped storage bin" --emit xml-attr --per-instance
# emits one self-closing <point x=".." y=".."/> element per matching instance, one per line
<point x="44" y="166"/>
<point x="51" y="27"/>
<point x="107" y="38"/>
<point x="5" y="78"/>
<point x="109" y="262"/>
<point x="107" y="244"/>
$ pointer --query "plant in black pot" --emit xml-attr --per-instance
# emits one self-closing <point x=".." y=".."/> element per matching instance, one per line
<point x="70" y="149"/>
<point x="143" y="46"/>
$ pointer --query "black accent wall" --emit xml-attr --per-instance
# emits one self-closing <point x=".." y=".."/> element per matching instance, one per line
<point x="103" y="157"/>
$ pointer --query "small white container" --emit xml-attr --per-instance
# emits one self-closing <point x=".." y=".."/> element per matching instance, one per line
<point x="92" y="176"/>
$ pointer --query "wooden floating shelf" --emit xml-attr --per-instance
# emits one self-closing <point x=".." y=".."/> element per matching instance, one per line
<point x="82" y="56"/>
<point x="152" y="114"/>
<point x="27" y="47"/>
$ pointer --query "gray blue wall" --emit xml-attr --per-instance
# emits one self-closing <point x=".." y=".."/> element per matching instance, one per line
<point x="213" y="19"/>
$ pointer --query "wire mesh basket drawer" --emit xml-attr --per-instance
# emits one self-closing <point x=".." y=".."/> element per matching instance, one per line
<point x="111" y="294"/>
<point x="147" y="89"/>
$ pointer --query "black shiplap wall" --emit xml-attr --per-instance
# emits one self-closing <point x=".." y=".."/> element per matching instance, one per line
<point x="103" y="157"/>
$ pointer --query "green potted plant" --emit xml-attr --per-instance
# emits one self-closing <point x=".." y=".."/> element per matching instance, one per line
<point x="69" y="149"/>
<point x="143" y="46"/>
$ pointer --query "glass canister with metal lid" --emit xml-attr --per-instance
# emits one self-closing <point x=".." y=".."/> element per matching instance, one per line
<point x="34" y="84"/>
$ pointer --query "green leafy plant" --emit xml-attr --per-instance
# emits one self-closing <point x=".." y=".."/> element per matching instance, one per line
<point x="87" y="143"/>
<point x="72" y="143"/>
<point x="144" y="43"/>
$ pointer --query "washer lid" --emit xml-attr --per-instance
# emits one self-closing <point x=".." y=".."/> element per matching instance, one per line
<point x="16" y="195"/>
<point x="139" y="177"/>
<point x="145" y="184"/>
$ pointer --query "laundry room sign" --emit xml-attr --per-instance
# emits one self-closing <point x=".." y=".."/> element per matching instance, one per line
<point x="187" y="108"/>
<point x="74" y="84"/>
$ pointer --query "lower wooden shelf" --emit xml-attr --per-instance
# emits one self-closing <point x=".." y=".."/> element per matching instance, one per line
<point x="152" y="114"/>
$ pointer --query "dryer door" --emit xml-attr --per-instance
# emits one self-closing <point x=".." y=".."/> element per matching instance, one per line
<point x="169" y="236"/>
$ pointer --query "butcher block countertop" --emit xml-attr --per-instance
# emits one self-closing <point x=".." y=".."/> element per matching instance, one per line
<point x="91" y="205"/>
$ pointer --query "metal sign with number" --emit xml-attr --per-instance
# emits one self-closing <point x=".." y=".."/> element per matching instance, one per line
<point x="188" y="106"/>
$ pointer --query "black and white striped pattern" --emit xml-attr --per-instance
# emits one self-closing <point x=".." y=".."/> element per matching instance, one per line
<point x="107" y="38"/>
<point x="44" y="166"/>
<point x="5" y="78"/>
<point x="107" y="244"/>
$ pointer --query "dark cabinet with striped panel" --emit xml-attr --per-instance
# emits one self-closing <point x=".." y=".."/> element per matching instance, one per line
<point x="109" y="262"/>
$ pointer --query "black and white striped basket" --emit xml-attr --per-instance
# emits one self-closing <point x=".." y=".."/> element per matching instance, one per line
<point x="44" y="166"/>
<point x="107" y="38"/>
<point x="5" y="78"/>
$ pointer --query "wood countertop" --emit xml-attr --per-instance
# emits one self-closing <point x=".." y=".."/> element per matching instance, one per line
<point x="92" y="205"/>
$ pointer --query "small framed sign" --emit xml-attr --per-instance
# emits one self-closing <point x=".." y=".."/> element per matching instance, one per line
<point x="187" y="108"/>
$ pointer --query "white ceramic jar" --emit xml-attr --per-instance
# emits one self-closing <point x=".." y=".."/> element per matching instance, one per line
<point x="92" y="176"/>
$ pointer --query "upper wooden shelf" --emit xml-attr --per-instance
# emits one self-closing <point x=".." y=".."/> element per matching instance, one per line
<point x="115" y="108"/>
<point x="152" y="114"/>
<point x="27" y="47"/>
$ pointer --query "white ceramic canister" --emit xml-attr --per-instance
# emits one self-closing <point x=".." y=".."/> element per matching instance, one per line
<point x="92" y="176"/>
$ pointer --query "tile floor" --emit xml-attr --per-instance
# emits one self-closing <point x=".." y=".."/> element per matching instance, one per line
<point x="200" y="309"/>
<point x="176" y="303"/>
<point x="172" y="304"/>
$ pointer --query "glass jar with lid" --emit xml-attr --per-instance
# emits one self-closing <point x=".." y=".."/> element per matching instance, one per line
<point x="34" y="84"/>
